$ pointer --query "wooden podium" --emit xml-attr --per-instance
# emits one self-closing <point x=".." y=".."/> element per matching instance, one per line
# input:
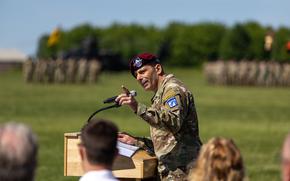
<point x="140" y="166"/>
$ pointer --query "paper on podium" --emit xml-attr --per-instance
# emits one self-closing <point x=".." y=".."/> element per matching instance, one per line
<point x="126" y="149"/>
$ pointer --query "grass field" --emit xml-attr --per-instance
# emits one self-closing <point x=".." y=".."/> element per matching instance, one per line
<point x="256" y="118"/>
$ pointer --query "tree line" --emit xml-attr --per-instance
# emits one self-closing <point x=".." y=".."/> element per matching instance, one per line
<point x="177" y="44"/>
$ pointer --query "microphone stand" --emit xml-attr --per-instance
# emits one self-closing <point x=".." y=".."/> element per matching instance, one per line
<point x="102" y="109"/>
<point x="116" y="105"/>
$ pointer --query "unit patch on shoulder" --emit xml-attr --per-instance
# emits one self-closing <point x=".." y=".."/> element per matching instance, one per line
<point x="172" y="102"/>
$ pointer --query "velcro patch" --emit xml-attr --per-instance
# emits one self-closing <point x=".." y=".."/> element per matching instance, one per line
<point x="172" y="102"/>
<point x="170" y="93"/>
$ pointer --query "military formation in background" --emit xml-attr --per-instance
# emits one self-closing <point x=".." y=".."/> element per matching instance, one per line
<point x="62" y="71"/>
<point x="250" y="73"/>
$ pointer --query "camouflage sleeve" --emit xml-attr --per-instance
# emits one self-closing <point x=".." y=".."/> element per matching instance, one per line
<point x="146" y="144"/>
<point x="169" y="115"/>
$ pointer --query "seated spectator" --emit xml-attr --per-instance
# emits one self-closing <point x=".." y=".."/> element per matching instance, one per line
<point x="97" y="149"/>
<point x="285" y="159"/>
<point x="18" y="152"/>
<point x="218" y="160"/>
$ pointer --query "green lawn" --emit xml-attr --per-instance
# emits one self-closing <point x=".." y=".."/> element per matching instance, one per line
<point x="256" y="118"/>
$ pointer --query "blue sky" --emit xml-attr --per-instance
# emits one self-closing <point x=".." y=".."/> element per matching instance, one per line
<point x="22" y="22"/>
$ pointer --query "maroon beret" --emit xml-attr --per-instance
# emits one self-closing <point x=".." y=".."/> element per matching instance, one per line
<point x="141" y="60"/>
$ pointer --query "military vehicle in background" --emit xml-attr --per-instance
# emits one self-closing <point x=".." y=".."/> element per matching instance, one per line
<point x="90" y="50"/>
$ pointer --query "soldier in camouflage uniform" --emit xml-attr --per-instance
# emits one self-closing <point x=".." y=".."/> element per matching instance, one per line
<point x="28" y="70"/>
<point x="172" y="118"/>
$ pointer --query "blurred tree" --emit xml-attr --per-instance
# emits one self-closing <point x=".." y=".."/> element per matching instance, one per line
<point x="43" y="50"/>
<point x="257" y="38"/>
<point x="75" y="37"/>
<point x="130" y="40"/>
<point x="236" y="43"/>
<point x="196" y="43"/>
<point x="178" y="44"/>
<point x="282" y="36"/>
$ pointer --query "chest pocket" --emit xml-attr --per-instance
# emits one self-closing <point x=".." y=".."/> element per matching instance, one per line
<point x="157" y="102"/>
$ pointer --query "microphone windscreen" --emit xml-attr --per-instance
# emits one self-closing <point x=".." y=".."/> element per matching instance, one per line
<point x="133" y="93"/>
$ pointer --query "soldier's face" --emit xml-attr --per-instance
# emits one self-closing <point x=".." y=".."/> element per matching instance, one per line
<point x="147" y="76"/>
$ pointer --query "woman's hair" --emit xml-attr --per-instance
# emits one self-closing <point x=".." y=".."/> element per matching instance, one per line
<point x="218" y="160"/>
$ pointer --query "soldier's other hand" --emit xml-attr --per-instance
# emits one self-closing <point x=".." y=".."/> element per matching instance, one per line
<point x="125" y="138"/>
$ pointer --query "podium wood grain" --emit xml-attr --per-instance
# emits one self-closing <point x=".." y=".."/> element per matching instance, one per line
<point x="140" y="166"/>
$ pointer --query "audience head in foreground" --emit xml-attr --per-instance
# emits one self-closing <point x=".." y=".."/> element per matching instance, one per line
<point x="98" y="148"/>
<point x="285" y="159"/>
<point x="218" y="160"/>
<point x="18" y="152"/>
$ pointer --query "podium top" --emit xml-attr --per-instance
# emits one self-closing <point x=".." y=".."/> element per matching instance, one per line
<point x="73" y="134"/>
<point x="142" y="154"/>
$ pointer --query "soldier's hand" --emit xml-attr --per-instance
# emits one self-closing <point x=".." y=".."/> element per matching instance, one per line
<point x="125" y="90"/>
<point x="127" y="99"/>
<point x="125" y="138"/>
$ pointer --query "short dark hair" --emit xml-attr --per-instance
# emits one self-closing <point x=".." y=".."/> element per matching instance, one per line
<point x="99" y="137"/>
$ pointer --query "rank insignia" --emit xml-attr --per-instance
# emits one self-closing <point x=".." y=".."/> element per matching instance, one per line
<point x="138" y="62"/>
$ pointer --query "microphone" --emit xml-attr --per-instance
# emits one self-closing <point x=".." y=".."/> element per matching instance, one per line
<point x="112" y="99"/>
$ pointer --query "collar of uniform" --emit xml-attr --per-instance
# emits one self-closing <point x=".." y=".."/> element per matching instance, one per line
<point x="160" y="88"/>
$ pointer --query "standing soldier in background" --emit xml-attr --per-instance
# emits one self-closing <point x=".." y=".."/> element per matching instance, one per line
<point x="28" y="70"/>
<point x="82" y="71"/>
<point x="60" y="71"/>
<point x="40" y="71"/>
<point x="71" y="70"/>
<point x="242" y="72"/>
<point x="286" y="75"/>
<point x="50" y="71"/>
<point x="232" y="72"/>
<point x="252" y="73"/>
<point x="94" y="70"/>
<point x="262" y="73"/>
<point x="172" y="118"/>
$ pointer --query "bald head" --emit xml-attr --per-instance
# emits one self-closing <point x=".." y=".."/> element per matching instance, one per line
<point x="18" y="150"/>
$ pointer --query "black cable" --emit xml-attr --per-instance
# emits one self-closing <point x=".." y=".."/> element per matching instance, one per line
<point x="102" y="109"/>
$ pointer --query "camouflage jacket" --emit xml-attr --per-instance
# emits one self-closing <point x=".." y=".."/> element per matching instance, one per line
<point x="173" y="125"/>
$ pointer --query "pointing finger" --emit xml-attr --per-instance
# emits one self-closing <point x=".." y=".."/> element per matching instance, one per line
<point x="125" y="90"/>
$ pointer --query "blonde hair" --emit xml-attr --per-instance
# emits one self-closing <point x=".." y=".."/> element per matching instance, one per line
<point x="218" y="160"/>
